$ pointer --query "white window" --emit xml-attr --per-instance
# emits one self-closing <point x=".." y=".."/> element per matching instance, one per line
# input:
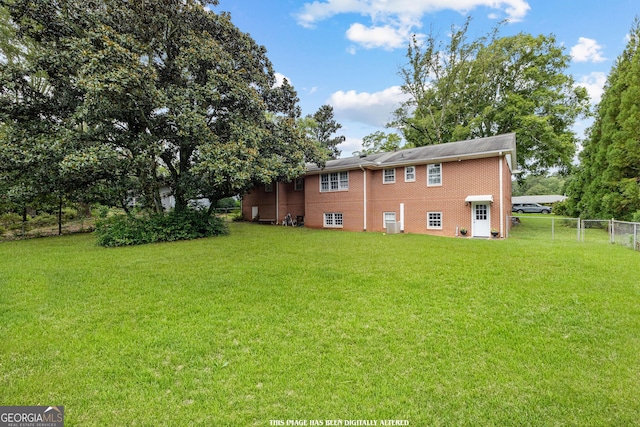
<point x="324" y="182"/>
<point x="434" y="174"/>
<point x="298" y="184"/>
<point x="409" y="174"/>
<point x="268" y="188"/>
<point x="389" y="176"/>
<point x="333" y="219"/>
<point x="388" y="217"/>
<point x="434" y="220"/>
<point x="335" y="181"/>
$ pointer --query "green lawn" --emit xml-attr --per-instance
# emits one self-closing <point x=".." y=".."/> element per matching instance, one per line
<point x="279" y="323"/>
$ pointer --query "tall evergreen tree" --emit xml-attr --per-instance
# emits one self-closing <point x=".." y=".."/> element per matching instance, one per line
<point x="324" y="131"/>
<point x="607" y="183"/>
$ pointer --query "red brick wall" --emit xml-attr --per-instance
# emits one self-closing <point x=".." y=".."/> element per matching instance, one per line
<point x="289" y="201"/>
<point x="459" y="180"/>
<point x="349" y="203"/>
<point x="265" y="201"/>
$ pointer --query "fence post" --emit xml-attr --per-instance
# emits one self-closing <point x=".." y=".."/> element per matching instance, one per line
<point x="612" y="236"/>
<point x="553" y="228"/>
<point x="578" y="227"/>
<point x="635" y="237"/>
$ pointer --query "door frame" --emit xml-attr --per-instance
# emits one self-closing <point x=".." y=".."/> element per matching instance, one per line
<point x="481" y="228"/>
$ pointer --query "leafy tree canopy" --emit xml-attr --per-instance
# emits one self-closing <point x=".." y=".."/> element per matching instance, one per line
<point x="379" y="141"/>
<point x="144" y="94"/>
<point x="534" y="185"/>
<point x="492" y="85"/>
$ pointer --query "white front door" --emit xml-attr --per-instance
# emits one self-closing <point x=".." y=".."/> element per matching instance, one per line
<point x="481" y="219"/>
<point x="254" y="212"/>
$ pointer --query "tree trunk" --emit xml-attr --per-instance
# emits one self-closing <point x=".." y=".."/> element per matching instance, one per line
<point x="60" y="215"/>
<point x="24" y="219"/>
<point x="181" y="202"/>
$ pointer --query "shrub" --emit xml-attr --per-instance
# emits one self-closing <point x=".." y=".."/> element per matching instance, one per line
<point x="11" y="221"/>
<point x="69" y="214"/>
<point x="228" y="203"/>
<point x="43" y="220"/>
<point x="562" y="208"/>
<point x="124" y="230"/>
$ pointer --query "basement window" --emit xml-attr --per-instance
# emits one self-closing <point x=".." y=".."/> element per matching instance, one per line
<point x="333" y="219"/>
<point x="388" y="217"/>
<point x="434" y="220"/>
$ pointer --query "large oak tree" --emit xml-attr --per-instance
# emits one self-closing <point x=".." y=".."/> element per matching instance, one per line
<point x="144" y="94"/>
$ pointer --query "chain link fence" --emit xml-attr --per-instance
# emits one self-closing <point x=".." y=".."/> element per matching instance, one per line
<point x="575" y="229"/>
<point x="626" y="234"/>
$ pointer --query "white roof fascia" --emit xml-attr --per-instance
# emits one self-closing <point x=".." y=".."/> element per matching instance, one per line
<point x="480" y="198"/>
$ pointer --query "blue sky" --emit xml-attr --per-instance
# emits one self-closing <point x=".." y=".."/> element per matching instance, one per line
<point x="347" y="53"/>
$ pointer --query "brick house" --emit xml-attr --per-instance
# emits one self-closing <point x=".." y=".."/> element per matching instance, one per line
<point x="438" y="189"/>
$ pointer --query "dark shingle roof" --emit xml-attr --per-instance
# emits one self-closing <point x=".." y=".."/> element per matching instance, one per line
<point x="469" y="149"/>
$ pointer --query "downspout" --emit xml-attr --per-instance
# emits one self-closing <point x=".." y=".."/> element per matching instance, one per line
<point x="501" y="197"/>
<point x="364" y="176"/>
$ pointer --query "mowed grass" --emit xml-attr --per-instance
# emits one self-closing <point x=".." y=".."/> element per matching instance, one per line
<point x="279" y="323"/>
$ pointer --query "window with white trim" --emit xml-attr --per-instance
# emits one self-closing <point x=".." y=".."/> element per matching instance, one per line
<point x="434" y="220"/>
<point x="333" y="219"/>
<point x="409" y="174"/>
<point x="389" y="176"/>
<point x="388" y="217"/>
<point x="434" y="174"/>
<point x="298" y="184"/>
<point x="335" y="181"/>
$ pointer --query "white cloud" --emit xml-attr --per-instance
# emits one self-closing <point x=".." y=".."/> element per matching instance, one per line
<point x="587" y="50"/>
<point x="382" y="36"/>
<point x="594" y="83"/>
<point x="401" y="12"/>
<point x="350" y="145"/>
<point x="280" y="78"/>
<point x="393" y="22"/>
<point x="374" y="109"/>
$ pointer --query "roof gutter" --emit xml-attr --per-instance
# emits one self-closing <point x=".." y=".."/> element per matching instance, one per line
<point x="385" y="165"/>
<point x="501" y="196"/>
<point x="451" y="158"/>
<point x="364" y="207"/>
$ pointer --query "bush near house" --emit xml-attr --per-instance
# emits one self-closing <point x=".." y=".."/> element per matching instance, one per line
<point x="125" y="230"/>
